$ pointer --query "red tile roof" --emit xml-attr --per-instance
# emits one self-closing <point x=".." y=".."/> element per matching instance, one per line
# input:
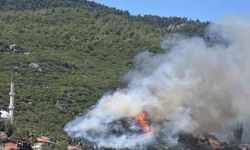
<point x="45" y="139"/>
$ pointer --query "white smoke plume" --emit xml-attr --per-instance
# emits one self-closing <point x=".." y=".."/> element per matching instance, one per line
<point x="193" y="85"/>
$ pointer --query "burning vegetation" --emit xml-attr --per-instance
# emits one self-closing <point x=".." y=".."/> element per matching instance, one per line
<point x="143" y="122"/>
<point x="130" y="127"/>
<point x="194" y="86"/>
<point x="192" y="141"/>
<point x="133" y="125"/>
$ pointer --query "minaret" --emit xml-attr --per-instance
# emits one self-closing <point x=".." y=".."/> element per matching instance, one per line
<point x="12" y="100"/>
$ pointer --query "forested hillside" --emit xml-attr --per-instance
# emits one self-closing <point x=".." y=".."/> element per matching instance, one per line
<point x="67" y="53"/>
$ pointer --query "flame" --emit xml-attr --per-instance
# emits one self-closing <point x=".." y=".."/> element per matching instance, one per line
<point x="141" y="120"/>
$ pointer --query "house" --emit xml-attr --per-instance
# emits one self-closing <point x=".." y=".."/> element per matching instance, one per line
<point x="10" y="144"/>
<point x="43" y="140"/>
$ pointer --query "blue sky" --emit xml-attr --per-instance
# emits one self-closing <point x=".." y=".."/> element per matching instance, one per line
<point x="204" y="10"/>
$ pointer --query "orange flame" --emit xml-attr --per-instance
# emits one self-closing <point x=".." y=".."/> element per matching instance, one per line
<point x="141" y="119"/>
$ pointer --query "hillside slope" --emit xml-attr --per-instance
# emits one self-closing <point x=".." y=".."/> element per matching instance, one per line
<point x="68" y="54"/>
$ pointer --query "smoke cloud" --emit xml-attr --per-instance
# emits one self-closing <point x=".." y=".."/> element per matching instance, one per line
<point x="194" y="85"/>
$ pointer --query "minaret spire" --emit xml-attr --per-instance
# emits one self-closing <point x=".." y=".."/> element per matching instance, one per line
<point x="12" y="98"/>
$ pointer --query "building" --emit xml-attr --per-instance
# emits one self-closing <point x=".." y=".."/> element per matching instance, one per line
<point x="4" y="116"/>
<point x="43" y="140"/>
<point x="46" y="140"/>
<point x="10" y="144"/>
<point x="9" y="116"/>
<point x="12" y="100"/>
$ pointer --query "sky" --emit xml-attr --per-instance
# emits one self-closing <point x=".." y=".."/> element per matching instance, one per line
<point x="204" y="10"/>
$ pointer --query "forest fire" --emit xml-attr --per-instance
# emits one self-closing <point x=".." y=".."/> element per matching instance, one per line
<point x="143" y="122"/>
<point x="179" y="90"/>
<point x="138" y="125"/>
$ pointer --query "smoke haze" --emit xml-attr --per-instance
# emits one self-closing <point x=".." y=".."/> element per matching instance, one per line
<point x="194" y="85"/>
